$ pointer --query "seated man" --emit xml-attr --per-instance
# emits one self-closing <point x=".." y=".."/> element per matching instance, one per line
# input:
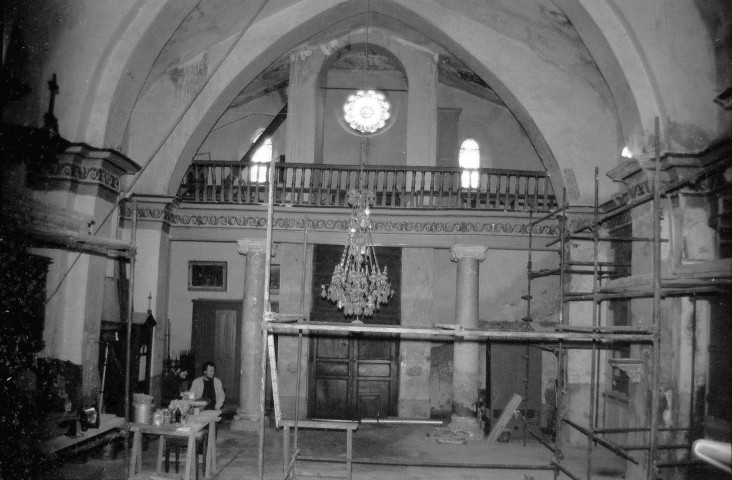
<point x="209" y="388"/>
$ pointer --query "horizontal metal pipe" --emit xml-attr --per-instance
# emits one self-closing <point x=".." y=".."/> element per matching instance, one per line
<point x="679" y="446"/>
<point x="463" y="334"/>
<point x="408" y="463"/>
<point x="401" y="421"/>
<point x="606" y="239"/>
<point x="640" y="429"/>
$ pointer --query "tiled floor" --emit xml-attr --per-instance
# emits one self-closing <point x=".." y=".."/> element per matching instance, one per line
<point x="238" y="456"/>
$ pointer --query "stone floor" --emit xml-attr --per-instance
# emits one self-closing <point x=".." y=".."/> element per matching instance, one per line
<point x="238" y="454"/>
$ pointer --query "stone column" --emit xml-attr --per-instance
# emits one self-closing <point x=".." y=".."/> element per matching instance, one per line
<point x="466" y="353"/>
<point x="247" y="415"/>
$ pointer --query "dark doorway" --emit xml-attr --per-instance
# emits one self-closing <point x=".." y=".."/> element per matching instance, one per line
<point x="353" y="376"/>
<point x="216" y="335"/>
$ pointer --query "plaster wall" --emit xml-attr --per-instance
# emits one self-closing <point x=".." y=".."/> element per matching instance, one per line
<point x="669" y="34"/>
<point x="502" y="141"/>
<point x="235" y="131"/>
<point x="417" y="302"/>
<point x="67" y="38"/>
<point x="180" y="299"/>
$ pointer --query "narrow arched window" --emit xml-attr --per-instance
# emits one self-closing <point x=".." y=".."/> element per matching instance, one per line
<point x="470" y="162"/>
<point x="262" y="155"/>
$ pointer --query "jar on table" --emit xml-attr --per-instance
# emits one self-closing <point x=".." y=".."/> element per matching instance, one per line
<point x="158" y="418"/>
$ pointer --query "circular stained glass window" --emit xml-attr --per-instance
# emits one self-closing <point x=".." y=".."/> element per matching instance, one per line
<point x="366" y="111"/>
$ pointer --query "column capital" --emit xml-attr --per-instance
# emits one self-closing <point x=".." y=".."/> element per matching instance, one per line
<point x="467" y="251"/>
<point x="255" y="245"/>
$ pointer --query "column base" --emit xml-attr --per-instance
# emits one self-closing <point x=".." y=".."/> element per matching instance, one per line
<point x="246" y="423"/>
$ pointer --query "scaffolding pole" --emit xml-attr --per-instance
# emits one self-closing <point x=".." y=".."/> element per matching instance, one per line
<point x="655" y="345"/>
<point x="130" y="307"/>
<point x="267" y="312"/>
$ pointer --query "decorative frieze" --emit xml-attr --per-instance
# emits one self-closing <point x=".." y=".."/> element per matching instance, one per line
<point x="82" y="164"/>
<point x="75" y="172"/>
<point x="149" y="208"/>
<point x="435" y="227"/>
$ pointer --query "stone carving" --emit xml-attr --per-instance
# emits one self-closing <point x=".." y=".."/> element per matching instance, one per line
<point x="74" y="172"/>
<point x="467" y="251"/>
<point x="342" y="225"/>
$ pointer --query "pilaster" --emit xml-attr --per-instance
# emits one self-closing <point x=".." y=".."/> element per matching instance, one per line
<point x="305" y="107"/>
<point x="416" y="297"/>
<point x="152" y="264"/>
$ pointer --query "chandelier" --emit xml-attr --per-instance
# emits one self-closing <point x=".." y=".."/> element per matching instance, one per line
<point x="358" y="286"/>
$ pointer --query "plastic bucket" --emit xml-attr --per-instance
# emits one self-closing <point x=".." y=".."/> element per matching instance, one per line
<point x="143" y="413"/>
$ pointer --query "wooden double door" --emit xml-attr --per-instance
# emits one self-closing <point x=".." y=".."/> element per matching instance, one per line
<point x="215" y="335"/>
<point x="353" y="375"/>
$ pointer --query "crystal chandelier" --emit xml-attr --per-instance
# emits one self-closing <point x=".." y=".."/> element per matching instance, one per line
<point x="358" y="286"/>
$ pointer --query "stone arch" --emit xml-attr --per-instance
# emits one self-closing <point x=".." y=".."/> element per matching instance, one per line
<point x="172" y="159"/>
<point x="121" y="73"/>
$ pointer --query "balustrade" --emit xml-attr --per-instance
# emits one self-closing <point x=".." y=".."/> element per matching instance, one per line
<point x="397" y="187"/>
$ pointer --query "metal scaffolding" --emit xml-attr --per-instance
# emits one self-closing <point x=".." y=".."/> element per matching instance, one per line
<point x="565" y="336"/>
<point x="657" y="288"/>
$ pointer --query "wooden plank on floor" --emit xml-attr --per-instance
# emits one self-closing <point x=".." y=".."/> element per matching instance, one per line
<point x="504" y="418"/>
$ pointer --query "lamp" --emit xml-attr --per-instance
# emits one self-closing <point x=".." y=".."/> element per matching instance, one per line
<point x="358" y="286"/>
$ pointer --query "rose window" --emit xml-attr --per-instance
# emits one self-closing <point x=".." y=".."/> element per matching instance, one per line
<point x="367" y="111"/>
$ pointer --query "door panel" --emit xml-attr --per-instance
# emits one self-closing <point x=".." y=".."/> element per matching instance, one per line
<point x="373" y="397"/>
<point x="216" y="335"/>
<point x="225" y="350"/>
<point x="333" y="347"/>
<point x="331" y="398"/>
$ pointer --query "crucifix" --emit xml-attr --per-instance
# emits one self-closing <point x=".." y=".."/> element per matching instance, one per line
<point x="50" y="121"/>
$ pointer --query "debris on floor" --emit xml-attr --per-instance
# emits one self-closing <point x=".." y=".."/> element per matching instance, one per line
<point x="448" y="435"/>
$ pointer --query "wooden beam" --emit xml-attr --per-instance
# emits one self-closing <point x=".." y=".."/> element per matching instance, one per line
<point x="267" y="133"/>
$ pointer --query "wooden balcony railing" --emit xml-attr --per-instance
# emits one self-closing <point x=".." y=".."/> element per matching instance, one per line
<point x="319" y="185"/>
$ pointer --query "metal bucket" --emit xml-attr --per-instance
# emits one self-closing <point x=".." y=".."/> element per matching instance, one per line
<point x="143" y="413"/>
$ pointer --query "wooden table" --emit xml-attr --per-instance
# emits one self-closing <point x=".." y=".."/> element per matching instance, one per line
<point x="193" y="429"/>
<point x="347" y="425"/>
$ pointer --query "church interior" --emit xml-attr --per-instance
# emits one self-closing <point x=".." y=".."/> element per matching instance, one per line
<point x="418" y="239"/>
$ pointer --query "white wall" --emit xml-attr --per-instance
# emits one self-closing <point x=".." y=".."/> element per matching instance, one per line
<point x="180" y="299"/>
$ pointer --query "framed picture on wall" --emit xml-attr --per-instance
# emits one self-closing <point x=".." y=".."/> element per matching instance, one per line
<point x="207" y="276"/>
<point x="274" y="280"/>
